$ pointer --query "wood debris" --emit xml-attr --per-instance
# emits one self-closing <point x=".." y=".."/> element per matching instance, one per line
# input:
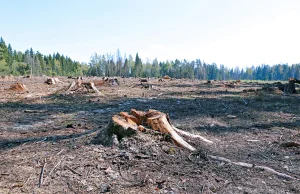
<point x="52" y="81"/>
<point x="18" y="87"/>
<point x="248" y="165"/>
<point x="167" y="77"/>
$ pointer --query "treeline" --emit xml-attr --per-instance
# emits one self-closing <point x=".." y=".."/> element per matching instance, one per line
<point x="35" y="63"/>
<point x="116" y="65"/>
<point x="31" y="62"/>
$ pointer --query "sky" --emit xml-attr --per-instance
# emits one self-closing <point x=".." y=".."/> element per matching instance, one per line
<point x="231" y="32"/>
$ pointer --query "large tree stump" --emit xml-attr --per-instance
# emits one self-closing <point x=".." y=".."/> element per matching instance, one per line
<point x="88" y="85"/>
<point x="125" y="124"/>
<point x="289" y="88"/>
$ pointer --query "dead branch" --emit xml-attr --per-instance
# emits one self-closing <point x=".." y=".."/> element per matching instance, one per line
<point x="53" y="169"/>
<point x="187" y="134"/>
<point x="42" y="174"/>
<point x="72" y="170"/>
<point x="247" y="165"/>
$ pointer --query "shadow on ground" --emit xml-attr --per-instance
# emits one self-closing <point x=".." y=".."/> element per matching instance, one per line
<point x="97" y="112"/>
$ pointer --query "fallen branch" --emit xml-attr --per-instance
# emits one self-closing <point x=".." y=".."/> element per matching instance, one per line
<point x="181" y="132"/>
<point x="53" y="170"/>
<point x="248" y="165"/>
<point x="72" y="170"/>
<point x="42" y="174"/>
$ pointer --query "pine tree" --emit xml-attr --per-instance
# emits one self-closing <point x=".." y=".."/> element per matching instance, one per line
<point x="4" y="49"/>
<point x="138" y="66"/>
<point x="126" y="68"/>
<point x="10" y="56"/>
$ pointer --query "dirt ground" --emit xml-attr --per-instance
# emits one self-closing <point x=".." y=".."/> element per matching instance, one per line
<point x="45" y="129"/>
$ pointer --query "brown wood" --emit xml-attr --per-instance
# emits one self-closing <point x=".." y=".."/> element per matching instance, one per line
<point x="130" y="117"/>
<point x="88" y="85"/>
<point x="19" y="87"/>
<point x="119" y="120"/>
<point x="50" y="81"/>
<point x="158" y="121"/>
<point x="247" y="165"/>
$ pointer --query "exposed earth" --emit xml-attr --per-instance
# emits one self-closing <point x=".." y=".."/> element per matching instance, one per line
<point x="46" y="129"/>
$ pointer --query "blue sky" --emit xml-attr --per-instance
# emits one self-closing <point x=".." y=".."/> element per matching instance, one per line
<point x="230" y="32"/>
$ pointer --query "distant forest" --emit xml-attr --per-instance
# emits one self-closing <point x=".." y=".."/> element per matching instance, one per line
<point x="35" y="63"/>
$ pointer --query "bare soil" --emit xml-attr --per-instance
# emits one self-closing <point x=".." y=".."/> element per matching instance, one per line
<point x="45" y="128"/>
